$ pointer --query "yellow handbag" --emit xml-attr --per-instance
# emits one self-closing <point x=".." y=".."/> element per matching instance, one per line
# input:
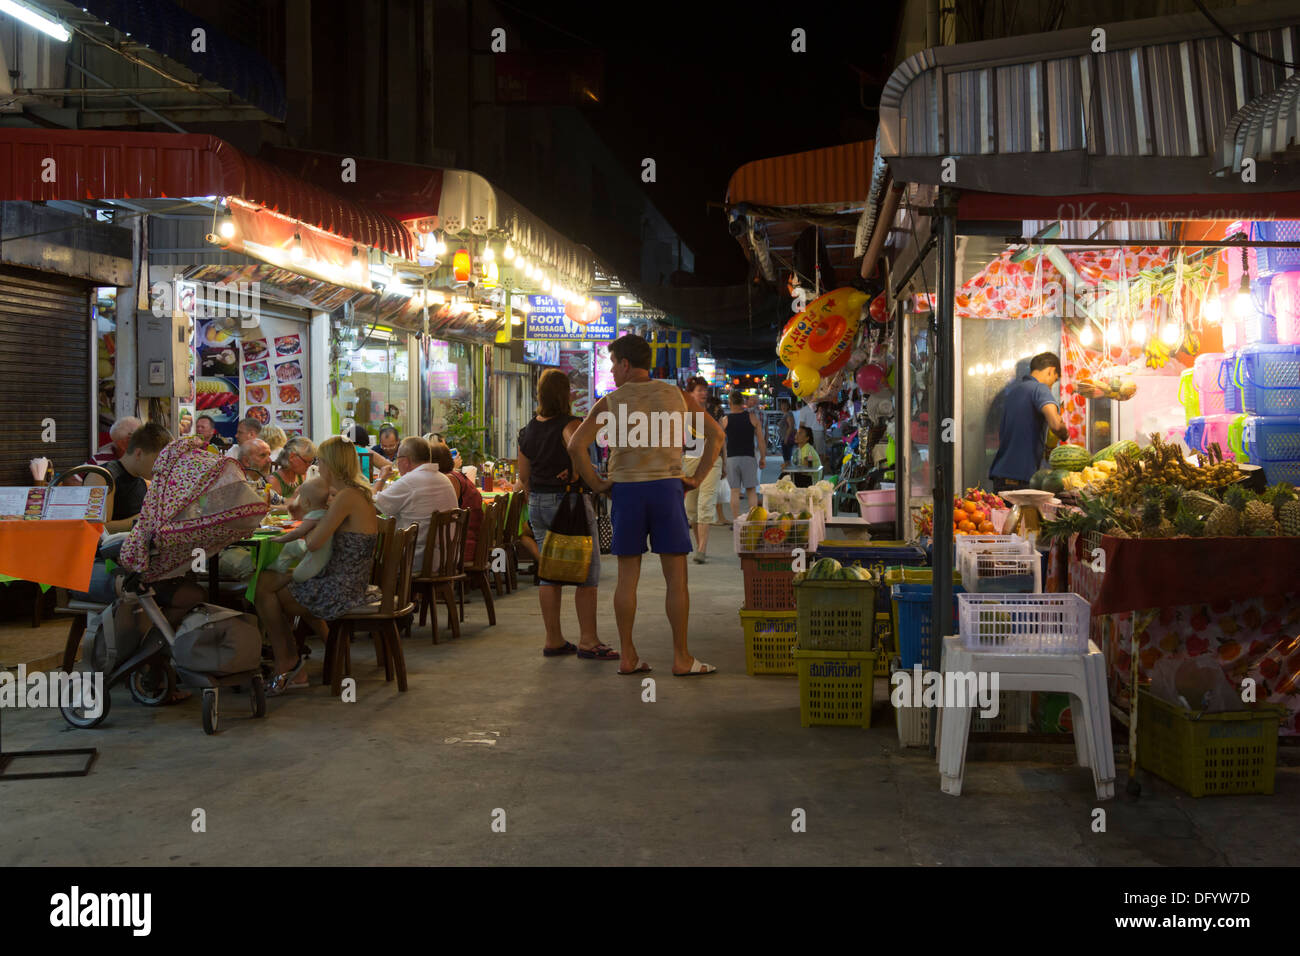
<point x="568" y="548"/>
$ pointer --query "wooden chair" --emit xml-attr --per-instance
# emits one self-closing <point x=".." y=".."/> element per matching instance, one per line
<point x="478" y="570"/>
<point x="394" y="558"/>
<point x="447" y="538"/>
<point x="510" y="536"/>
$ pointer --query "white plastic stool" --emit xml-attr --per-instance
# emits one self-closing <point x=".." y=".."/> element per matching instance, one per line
<point x="1083" y="676"/>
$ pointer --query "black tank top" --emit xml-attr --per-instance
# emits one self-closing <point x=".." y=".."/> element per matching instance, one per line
<point x="740" y="435"/>
<point x="548" y="455"/>
<point x="128" y="491"/>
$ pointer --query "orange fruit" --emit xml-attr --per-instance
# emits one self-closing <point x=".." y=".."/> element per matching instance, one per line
<point x="967" y="526"/>
<point x="970" y="506"/>
<point x="986" y="527"/>
<point x="959" y="514"/>
<point x="978" y="515"/>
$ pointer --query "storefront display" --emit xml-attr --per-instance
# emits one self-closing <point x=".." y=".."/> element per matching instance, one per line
<point x="372" y="382"/>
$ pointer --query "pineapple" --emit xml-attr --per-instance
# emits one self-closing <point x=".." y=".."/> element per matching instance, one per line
<point x="1200" y="503"/>
<point x="1259" y="519"/>
<point x="1187" y="523"/>
<point x="1154" y="522"/>
<point x="1225" y="520"/>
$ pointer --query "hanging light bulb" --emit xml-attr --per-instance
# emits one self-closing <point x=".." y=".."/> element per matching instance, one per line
<point x="1242" y="306"/>
<point x="1139" y="332"/>
<point x="295" y="251"/>
<point x="1085" y="334"/>
<point x="508" y="252"/>
<point x="488" y="253"/>
<point x="439" y="247"/>
<point x="1173" y="334"/>
<point x="1213" y="311"/>
<point x="546" y="284"/>
<point x="354" y="267"/>
<point x="226" y="228"/>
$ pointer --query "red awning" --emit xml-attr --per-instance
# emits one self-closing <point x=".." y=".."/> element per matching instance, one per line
<point x="89" y="165"/>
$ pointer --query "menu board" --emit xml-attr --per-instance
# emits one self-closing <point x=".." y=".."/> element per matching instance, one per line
<point x="61" y="503"/>
<point x="274" y="379"/>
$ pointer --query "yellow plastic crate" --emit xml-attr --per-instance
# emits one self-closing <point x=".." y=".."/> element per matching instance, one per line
<point x="1208" y="754"/>
<point x="835" y="687"/>
<point x="769" y="639"/>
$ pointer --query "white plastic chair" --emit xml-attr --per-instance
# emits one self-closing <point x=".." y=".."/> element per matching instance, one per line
<point x="1083" y="676"/>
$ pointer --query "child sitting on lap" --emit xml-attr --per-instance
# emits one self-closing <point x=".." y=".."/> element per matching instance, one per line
<point x="308" y="506"/>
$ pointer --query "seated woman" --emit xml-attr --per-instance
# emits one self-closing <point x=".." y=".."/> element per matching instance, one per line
<point x="467" y="496"/>
<point x="291" y="471"/>
<point x="351" y="526"/>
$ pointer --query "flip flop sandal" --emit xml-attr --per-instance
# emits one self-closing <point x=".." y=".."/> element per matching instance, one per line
<point x="641" y="668"/>
<point x="698" y="669"/>
<point x="568" y="648"/>
<point x="601" y="652"/>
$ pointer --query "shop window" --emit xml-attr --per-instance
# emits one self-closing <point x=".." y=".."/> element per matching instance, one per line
<point x="373" y="382"/>
<point x="446" y="378"/>
<point x="106" y="360"/>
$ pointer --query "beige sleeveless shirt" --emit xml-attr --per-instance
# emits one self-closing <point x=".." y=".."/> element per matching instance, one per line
<point x="645" y="429"/>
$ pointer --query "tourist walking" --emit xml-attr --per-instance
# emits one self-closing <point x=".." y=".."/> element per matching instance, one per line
<point x="701" y="501"/>
<point x="744" y="432"/>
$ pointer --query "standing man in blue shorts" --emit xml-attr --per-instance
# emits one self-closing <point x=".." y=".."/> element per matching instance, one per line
<point x="645" y="424"/>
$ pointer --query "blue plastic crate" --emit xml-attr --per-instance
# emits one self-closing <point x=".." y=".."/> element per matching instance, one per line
<point x="1276" y="438"/>
<point x="916" y="642"/>
<point x="1273" y="260"/>
<point x="1231" y="393"/>
<point x="1194" y="434"/>
<point x="1270" y="379"/>
<point x="1278" y="471"/>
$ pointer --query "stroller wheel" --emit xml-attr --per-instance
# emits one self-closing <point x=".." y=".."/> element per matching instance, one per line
<point x="153" y="683"/>
<point x="257" y="696"/>
<point x="210" y="715"/>
<point x="79" y="711"/>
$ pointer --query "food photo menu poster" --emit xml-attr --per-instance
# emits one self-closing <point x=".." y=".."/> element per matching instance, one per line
<point x="274" y="372"/>
<point x="217" y="387"/>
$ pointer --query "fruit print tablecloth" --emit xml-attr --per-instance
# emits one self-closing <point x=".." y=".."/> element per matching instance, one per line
<point x="1256" y="637"/>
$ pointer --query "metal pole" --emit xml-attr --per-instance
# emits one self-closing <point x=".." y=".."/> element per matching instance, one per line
<point x="942" y="435"/>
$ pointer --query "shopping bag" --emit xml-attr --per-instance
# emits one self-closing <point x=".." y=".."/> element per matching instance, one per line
<point x="567" y="550"/>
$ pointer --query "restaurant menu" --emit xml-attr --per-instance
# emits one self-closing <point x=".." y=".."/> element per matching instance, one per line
<point x="61" y="503"/>
<point x="274" y="380"/>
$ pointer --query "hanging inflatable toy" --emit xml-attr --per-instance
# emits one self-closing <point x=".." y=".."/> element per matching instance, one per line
<point x="818" y="341"/>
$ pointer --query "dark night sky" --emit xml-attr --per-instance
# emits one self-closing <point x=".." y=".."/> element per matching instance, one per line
<point x="707" y="87"/>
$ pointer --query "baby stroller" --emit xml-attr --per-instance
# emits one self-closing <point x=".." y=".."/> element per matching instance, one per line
<point x="197" y="504"/>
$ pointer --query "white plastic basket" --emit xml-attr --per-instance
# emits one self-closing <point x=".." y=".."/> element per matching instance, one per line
<point x="913" y="725"/>
<point x="777" y="535"/>
<point x="992" y="543"/>
<point x="992" y="572"/>
<point x="1024" y="623"/>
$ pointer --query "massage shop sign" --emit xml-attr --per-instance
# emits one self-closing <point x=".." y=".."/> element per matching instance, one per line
<point x="550" y="319"/>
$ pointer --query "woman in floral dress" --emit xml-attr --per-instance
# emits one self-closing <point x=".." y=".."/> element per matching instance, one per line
<point x="353" y="525"/>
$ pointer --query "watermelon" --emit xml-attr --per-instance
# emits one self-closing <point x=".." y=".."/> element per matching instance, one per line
<point x="1070" y="458"/>
<point x="1109" y="453"/>
<point x="1036" y="482"/>
<point x="824" y="570"/>
<point x="1055" y="481"/>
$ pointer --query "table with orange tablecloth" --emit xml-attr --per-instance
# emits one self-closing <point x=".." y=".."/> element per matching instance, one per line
<point x="52" y="553"/>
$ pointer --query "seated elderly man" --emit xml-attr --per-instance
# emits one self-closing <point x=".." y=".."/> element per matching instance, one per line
<point x="119" y="435"/>
<point x="247" y="430"/>
<point x="420" y="492"/>
<point x="255" y="457"/>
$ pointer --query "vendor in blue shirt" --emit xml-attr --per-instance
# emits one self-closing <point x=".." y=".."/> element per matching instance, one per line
<point x="1029" y="405"/>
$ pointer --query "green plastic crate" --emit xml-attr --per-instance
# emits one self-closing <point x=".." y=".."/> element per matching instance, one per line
<point x="836" y="615"/>
<point x="835" y="687"/>
<point x="769" y="639"/>
<point x="1208" y="754"/>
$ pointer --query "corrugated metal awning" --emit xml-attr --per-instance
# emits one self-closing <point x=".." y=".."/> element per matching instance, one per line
<point x="89" y="165"/>
<point x="816" y="177"/>
<point x="1046" y="115"/>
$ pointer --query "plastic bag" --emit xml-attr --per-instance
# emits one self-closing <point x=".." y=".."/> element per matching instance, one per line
<point x="1196" y="683"/>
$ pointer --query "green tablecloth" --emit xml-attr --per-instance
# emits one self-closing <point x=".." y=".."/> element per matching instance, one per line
<point x="5" y="579"/>
<point x="265" y="549"/>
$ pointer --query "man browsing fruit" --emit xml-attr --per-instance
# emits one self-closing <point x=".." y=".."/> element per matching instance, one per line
<point x="1030" y="405"/>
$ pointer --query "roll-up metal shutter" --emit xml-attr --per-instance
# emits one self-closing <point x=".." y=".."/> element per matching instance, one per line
<point x="44" y="371"/>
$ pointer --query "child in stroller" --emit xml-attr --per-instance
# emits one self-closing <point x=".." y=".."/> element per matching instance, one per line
<point x="197" y="504"/>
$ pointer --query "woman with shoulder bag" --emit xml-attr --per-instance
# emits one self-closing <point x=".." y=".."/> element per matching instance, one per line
<point x="550" y="475"/>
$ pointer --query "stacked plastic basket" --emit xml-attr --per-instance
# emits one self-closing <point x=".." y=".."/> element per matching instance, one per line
<point x="768" y="615"/>
<point x="839" y="650"/>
